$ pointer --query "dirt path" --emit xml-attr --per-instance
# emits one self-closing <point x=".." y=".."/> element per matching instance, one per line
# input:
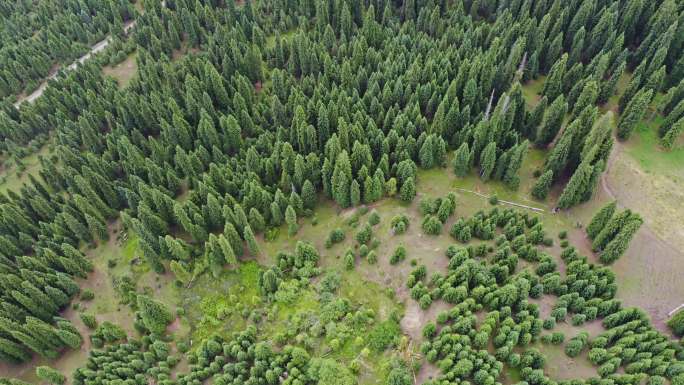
<point x="93" y="50"/>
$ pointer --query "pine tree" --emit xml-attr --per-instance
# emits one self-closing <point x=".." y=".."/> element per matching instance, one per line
<point x="341" y="180"/>
<point x="543" y="185"/>
<point x="632" y="89"/>
<point x="461" y="162"/>
<point x="252" y="244"/>
<point x="610" y="230"/>
<point x="553" y="87"/>
<point x="616" y="247"/>
<point x="256" y="220"/>
<point x="576" y="187"/>
<point x="154" y="315"/>
<point x="671" y="118"/>
<point x="587" y="97"/>
<point x="50" y="375"/>
<point x="214" y="256"/>
<point x="553" y="119"/>
<point x="426" y="153"/>
<point x="408" y="190"/>
<point x="97" y="227"/>
<point x="276" y="214"/>
<point x="227" y="251"/>
<point x="608" y="87"/>
<point x="233" y="238"/>
<point x="510" y="177"/>
<point x="558" y="158"/>
<point x="600" y="219"/>
<point x="355" y="193"/>
<point x="268" y="282"/>
<point x="291" y="220"/>
<point x="487" y="161"/>
<point x="308" y="195"/>
<point x="534" y="119"/>
<point x="12" y="351"/>
<point x="672" y="134"/>
<point x="633" y="113"/>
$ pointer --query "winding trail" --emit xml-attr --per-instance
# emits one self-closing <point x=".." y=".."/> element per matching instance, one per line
<point x="93" y="50"/>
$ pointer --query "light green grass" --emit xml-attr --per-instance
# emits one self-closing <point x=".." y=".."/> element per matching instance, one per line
<point x="123" y="72"/>
<point x="532" y="90"/>
<point x="271" y="40"/>
<point x="12" y="178"/>
<point x="644" y="147"/>
<point x="209" y="296"/>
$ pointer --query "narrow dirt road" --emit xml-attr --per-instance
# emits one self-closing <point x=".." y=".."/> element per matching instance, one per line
<point x="93" y="50"/>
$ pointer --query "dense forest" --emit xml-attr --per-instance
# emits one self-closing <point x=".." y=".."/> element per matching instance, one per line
<point x="36" y="35"/>
<point x="285" y="105"/>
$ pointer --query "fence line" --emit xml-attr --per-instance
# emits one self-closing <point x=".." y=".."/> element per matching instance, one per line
<point x="537" y="209"/>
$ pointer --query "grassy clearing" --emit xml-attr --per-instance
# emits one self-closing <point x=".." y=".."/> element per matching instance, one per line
<point x="271" y="40"/>
<point x="124" y="71"/>
<point x="644" y="147"/>
<point x="12" y="177"/>
<point x="532" y="90"/>
<point x="215" y="305"/>
<point x="561" y="367"/>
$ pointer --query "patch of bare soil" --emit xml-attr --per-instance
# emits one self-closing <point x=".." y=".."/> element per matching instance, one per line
<point x="412" y="325"/>
<point x="427" y="372"/>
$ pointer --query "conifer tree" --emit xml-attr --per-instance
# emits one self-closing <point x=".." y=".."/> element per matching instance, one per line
<point x="426" y="153"/>
<point x="576" y="187"/>
<point x="608" y="87"/>
<point x="553" y="119"/>
<point x="256" y="220"/>
<point x="672" y="117"/>
<point x="341" y="180"/>
<point x="355" y="193"/>
<point x="587" y="97"/>
<point x="610" y="230"/>
<point x="308" y="195"/>
<point x="227" y="251"/>
<point x="672" y="134"/>
<point x="154" y="315"/>
<point x="553" y="87"/>
<point x="543" y="185"/>
<point x="461" y="162"/>
<point x="408" y="190"/>
<point x="487" y="161"/>
<point x="214" y="256"/>
<point x="600" y="219"/>
<point x="233" y="238"/>
<point x="50" y="375"/>
<point x="534" y="119"/>
<point x="618" y="245"/>
<point x="252" y="244"/>
<point x="633" y="113"/>
<point x="291" y="220"/>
